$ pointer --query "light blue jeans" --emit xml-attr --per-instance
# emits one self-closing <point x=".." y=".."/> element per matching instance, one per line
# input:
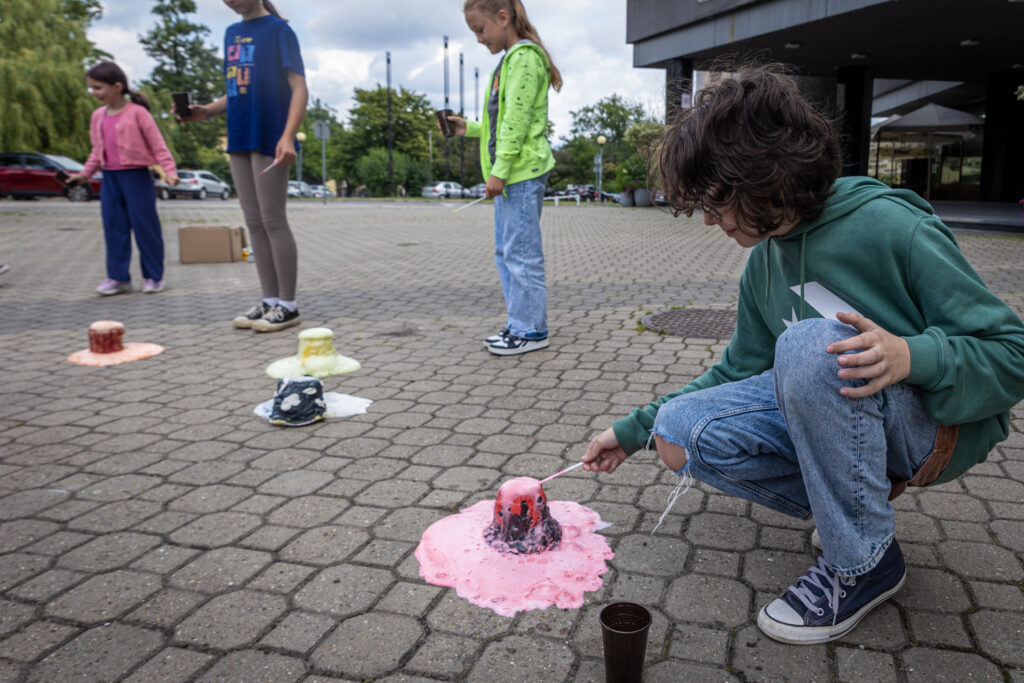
<point x="787" y="439"/>
<point x="519" y="255"/>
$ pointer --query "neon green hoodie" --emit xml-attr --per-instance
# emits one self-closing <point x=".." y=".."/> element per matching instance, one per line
<point x="522" y="151"/>
<point x="884" y="254"/>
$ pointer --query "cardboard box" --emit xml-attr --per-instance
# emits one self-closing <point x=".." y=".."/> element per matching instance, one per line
<point x="211" y="243"/>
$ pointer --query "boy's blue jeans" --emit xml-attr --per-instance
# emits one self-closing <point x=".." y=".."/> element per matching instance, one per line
<point x="787" y="439"/>
<point x="519" y="256"/>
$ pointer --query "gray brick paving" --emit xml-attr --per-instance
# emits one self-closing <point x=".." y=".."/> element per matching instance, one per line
<point x="152" y="529"/>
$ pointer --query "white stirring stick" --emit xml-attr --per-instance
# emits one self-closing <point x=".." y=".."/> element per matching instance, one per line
<point x="475" y="201"/>
<point x="570" y="468"/>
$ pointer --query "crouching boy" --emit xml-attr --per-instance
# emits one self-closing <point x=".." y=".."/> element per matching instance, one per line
<point x="867" y="354"/>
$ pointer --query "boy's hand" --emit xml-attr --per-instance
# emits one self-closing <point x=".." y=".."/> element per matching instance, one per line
<point x="883" y="358"/>
<point x="75" y="179"/>
<point x="495" y="186"/>
<point x="604" y="453"/>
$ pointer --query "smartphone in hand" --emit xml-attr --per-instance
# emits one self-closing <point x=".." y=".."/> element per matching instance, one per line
<point x="181" y="105"/>
<point x="62" y="177"/>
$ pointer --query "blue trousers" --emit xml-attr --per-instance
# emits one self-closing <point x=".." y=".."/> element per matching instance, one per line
<point x="787" y="439"/>
<point x="128" y="202"/>
<point x="519" y="255"/>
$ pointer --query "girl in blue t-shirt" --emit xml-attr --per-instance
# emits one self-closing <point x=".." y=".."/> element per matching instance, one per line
<point x="265" y="104"/>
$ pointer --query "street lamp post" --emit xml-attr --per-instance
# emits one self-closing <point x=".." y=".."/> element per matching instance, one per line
<point x="600" y="164"/>
<point x="301" y="137"/>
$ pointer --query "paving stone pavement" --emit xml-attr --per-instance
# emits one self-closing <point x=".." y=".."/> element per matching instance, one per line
<point x="153" y="529"/>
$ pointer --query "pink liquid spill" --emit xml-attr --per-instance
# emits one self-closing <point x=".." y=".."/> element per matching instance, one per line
<point x="453" y="552"/>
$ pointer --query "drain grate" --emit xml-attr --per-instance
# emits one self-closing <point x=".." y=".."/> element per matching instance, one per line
<point x="692" y="322"/>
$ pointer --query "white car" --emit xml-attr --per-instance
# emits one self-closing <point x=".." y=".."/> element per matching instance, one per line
<point x="195" y="184"/>
<point x="298" y="188"/>
<point x="444" y="190"/>
<point x="319" y="191"/>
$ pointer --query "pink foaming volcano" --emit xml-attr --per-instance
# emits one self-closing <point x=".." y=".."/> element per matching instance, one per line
<point x="512" y="555"/>
<point x="522" y="520"/>
<point x="107" y="348"/>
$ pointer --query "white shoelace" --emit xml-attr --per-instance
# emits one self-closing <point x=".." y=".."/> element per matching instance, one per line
<point x="827" y="583"/>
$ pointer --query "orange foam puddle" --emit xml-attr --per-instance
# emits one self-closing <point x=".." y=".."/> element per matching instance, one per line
<point x="131" y="351"/>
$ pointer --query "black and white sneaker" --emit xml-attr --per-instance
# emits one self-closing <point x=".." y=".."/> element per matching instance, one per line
<point x="495" y="338"/>
<point x="246" y="320"/>
<point x="821" y="606"/>
<point x="277" y="318"/>
<point x="512" y="345"/>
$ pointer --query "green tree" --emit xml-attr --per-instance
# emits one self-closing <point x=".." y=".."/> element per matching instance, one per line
<point x="185" y="63"/>
<point x="312" y="170"/>
<point x="612" y="117"/>
<point x="43" y="54"/>
<point x="415" y="134"/>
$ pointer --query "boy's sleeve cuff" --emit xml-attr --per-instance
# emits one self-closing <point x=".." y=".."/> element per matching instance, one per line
<point x="626" y="434"/>
<point x="925" y="360"/>
<point x="472" y="129"/>
<point x="501" y="168"/>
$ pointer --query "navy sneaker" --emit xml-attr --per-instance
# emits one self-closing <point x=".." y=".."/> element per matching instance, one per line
<point x="255" y="313"/>
<point x="512" y="345"/>
<point x="277" y="318"/>
<point x="821" y="606"/>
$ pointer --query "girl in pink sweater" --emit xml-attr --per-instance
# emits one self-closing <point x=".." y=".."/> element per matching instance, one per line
<point x="125" y="142"/>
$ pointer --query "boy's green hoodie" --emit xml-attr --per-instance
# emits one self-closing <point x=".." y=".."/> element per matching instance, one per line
<point x="522" y="151"/>
<point x="884" y="254"/>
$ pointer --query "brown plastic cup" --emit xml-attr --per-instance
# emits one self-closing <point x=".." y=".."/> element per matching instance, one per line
<point x="181" y="106"/>
<point x="442" y="120"/>
<point x="624" y="627"/>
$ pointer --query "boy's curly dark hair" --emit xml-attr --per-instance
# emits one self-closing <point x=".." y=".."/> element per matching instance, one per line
<point x="752" y="143"/>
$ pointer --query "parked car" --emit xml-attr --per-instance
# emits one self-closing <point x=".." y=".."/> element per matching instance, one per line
<point x="195" y="184"/>
<point x="445" y="190"/>
<point x="298" y="188"/>
<point x="587" y="193"/>
<point x="27" y="174"/>
<point x="477" y="190"/>
<point x="320" y="190"/>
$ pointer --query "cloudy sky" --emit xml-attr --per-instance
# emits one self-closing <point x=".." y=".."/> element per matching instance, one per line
<point x="344" y="44"/>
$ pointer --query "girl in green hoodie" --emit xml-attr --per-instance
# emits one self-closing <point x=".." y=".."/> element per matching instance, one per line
<point x="516" y="159"/>
<point x="867" y="353"/>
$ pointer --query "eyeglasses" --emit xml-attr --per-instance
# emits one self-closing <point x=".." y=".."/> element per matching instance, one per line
<point x="712" y="210"/>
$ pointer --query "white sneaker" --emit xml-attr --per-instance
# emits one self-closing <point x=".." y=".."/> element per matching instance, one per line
<point x="109" y="287"/>
<point x="495" y="338"/>
<point x="152" y="286"/>
<point x="513" y="346"/>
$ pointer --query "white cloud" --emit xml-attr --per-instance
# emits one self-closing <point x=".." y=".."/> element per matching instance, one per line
<point x="344" y="46"/>
<point x="123" y="45"/>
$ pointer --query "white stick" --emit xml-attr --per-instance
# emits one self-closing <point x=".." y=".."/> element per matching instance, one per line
<point x="268" y="167"/>
<point x="475" y="201"/>
<point x="570" y="468"/>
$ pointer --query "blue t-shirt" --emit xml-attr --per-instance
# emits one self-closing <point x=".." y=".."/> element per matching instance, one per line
<point x="258" y="55"/>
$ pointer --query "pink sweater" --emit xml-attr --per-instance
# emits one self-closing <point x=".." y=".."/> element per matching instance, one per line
<point x="138" y="141"/>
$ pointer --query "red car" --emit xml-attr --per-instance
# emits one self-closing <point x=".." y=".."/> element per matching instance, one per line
<point x="27" y="175"/>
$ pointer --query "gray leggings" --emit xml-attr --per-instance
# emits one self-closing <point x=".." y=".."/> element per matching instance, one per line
<point x="263" y="199"/>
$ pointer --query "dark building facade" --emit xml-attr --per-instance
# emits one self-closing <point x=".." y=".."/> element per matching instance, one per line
<point x="875" y="57"/>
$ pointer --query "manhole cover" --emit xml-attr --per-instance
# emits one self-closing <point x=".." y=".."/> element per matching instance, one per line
<point x="692" y="322"/>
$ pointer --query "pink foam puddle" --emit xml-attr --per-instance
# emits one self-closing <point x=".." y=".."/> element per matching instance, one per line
<point x="453" y="552"/>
